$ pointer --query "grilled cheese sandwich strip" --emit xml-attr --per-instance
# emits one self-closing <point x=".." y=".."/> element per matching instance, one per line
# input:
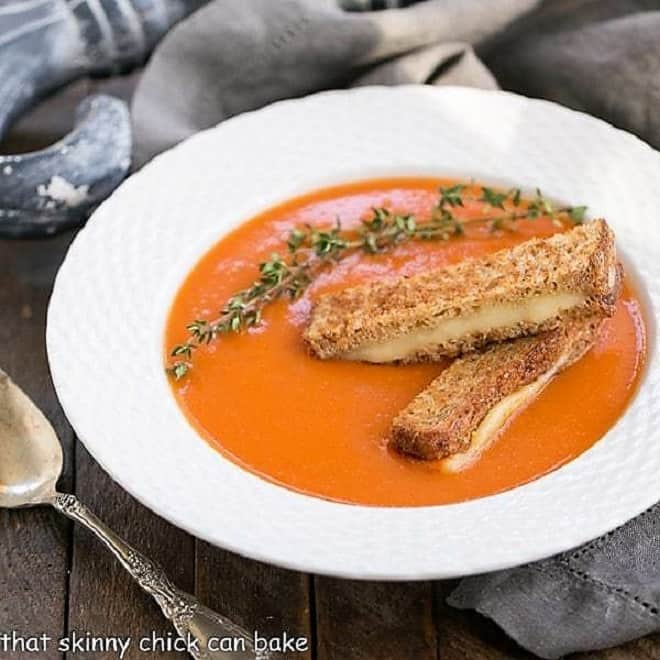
<point x="461" y="412"/>
<point x="534" y="311"/>
<point x="534" y="287"/>
<point x="495" y="420"/>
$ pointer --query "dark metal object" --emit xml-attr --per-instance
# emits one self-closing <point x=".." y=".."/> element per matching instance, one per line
<point x="46" y="191"/>
<point x="45" y="44"/>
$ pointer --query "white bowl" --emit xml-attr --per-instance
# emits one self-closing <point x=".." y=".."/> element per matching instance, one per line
<point x="111" y="297"/>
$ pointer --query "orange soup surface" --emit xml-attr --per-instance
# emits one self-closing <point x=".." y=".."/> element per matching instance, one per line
<point x="320" y="427"/>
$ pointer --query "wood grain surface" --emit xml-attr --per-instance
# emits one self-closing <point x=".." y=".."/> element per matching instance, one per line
<point x="264" y="599"/>
<point x="56" y="580"/>
<point x="35" y="546"/>
<point x="366" y="620"/>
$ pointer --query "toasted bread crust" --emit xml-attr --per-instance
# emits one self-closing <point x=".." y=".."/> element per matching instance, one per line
<point x="582" y="260"/>
<point x="440" y="421"/>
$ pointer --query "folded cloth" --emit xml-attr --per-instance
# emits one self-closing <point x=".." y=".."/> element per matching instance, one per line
<point x="597" y="55"/>
<point x="603" y="594"/>
<point x="230" y="57"/>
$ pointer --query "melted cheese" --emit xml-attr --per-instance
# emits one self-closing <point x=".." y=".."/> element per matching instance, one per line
<point x="493" y="422"/>
<point x="531" y="310"/>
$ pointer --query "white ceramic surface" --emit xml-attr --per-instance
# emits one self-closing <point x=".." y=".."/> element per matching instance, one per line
<point x="107" y="313"/>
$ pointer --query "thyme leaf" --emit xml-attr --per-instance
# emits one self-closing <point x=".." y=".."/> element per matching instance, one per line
<point x="493" y="198"/>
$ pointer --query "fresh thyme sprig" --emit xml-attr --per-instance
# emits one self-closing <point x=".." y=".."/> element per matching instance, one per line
<point x="311" y="249"/>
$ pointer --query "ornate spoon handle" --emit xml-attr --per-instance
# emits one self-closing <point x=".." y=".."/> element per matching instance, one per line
<point x="202" y="628"/>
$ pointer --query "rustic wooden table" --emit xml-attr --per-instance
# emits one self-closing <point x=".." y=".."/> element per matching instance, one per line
<point x="56" y="579"/>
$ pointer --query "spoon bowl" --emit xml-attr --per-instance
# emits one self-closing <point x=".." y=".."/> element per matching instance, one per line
<point x="31" y="462"/>
<point x="30" y="449"/>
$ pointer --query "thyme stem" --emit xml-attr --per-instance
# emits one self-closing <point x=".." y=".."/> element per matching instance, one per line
<point x="312" y="249"/>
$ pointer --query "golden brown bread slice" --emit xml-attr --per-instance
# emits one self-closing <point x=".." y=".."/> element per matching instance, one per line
<point x="525" y="290"/>
<point x="464" y="407"/>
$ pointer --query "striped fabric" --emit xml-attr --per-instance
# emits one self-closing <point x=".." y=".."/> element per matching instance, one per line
<point x="373" y="5"/>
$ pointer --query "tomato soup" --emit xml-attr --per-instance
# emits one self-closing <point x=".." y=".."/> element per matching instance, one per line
<point x="320" y="427"/>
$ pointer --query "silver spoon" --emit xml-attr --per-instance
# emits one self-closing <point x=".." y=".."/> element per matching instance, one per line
<point x="30" y="465"/>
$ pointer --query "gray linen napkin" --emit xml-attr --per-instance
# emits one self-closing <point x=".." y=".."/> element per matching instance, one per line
<point x="602" y="56"/>
<point x="230" y="57"/>
<point x="602" y="594"/>
<point x="599" y="56"/>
